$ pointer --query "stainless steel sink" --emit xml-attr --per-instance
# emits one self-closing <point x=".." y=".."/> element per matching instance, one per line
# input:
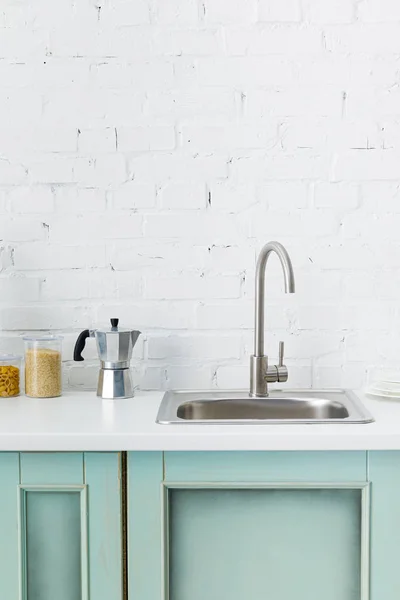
<point x="284" y="407"/>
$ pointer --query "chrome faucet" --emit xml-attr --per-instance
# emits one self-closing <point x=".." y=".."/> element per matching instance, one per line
<point x="260" y="373"/>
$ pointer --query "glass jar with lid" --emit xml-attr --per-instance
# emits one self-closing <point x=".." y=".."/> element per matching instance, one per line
<point x="43" y="366"/>
<point x="10" y="369"/>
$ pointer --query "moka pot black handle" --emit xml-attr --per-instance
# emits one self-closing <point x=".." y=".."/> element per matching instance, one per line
<point x="80" y="345"/>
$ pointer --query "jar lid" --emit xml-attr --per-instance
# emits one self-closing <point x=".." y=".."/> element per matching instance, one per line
<point x="8" y="358"/>
<point x="43" y="338"/>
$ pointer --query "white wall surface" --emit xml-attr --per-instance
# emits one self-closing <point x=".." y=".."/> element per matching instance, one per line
<point x="149" y="148"/>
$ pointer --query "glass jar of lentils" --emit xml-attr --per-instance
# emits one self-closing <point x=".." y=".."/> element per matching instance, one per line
<point x="43" y="366"/>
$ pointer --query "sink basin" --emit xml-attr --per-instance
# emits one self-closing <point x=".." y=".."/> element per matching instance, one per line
<point x="284" y="407"/>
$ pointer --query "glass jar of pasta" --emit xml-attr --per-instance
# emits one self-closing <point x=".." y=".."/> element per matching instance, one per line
<point x="10" y="369"/>
<point x="43" y="366"/>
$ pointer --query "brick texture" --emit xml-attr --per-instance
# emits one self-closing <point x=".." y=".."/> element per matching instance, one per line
<point x="148" y="149"/>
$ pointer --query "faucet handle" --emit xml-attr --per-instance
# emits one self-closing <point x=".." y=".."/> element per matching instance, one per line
<point x="281" y="369"/>
<point x="277" y="372"/>
<point x="281" y="353"/>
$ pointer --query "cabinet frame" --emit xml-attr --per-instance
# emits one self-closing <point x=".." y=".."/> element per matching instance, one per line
<point x="98" y="478"/>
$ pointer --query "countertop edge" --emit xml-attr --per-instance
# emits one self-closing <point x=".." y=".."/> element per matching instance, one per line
<point x="80" y="422"/>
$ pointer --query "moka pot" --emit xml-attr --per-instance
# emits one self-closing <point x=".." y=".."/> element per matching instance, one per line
<point x="114" y="347"/>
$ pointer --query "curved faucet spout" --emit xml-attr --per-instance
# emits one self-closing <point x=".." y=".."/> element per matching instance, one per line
<point x="260" y="372"/>
<point x="260" y="288"/>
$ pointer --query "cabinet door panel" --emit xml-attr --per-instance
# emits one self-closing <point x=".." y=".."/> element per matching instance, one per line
<point x="53" y="545"/>
<point x="257" y="544"/>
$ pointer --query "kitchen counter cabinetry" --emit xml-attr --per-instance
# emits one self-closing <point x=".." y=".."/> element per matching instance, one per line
<point x="234" y="525"/>
<point x="216" y="525"/>
<point x="60" y="526"/>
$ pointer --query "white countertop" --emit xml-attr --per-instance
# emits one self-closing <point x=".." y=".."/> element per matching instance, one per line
<point x="81" y="421"/>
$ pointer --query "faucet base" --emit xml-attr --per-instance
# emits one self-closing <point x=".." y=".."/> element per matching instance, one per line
<point x="258" y="379"/>
<point x="261" y="375"/>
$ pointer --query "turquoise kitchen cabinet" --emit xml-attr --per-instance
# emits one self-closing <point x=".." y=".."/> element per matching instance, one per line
<point x="215" y="525"/>
<point x="256" y="525"/>
<point x="60" y="526"/>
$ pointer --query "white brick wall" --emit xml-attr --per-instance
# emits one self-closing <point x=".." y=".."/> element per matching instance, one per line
<point x="148" y="149"/>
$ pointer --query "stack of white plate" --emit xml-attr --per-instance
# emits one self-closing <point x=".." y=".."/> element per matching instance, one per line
<point x="384" y="383"/>
<point x="384" y="389"/>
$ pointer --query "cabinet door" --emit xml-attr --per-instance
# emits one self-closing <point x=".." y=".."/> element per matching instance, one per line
<point x="228" y="526"/>
<point x="60" y="526"/>
<point x="384" y="473"/>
